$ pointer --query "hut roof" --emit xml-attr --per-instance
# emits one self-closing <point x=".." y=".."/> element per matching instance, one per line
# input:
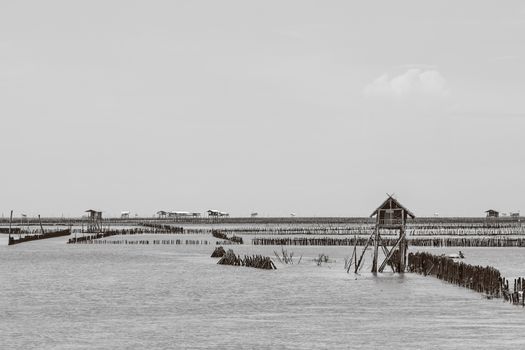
<point x="491" y="211"/>
<point x="392" y="202"/>
<point x="92" y="211"/>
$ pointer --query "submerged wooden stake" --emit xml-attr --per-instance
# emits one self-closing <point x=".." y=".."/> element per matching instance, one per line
<point x="40" y="222"/>
<point x="10" y="220"/>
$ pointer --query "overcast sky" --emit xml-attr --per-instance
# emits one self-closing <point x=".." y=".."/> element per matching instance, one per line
<point x="316" y="108"/>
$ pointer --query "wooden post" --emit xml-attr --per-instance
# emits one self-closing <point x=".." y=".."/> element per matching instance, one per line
<point x="40" y="221"/>
<point x="10" y="219"/>
<point x="363" y="253"/>
<point x="355" y="250"/>
<point x="376" y="249"/>
<point x="353" y="257"/>
<point x="402" y="250"/>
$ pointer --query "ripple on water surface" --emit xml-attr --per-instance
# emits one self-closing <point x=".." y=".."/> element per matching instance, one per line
<point x="57" y="296"/>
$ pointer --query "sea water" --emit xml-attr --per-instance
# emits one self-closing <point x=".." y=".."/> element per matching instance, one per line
<point x="80" y="296"/>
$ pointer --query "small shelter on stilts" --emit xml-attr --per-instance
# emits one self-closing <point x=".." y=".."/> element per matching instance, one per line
<point x="94" y="223"/>
<point x="390" y="215"/>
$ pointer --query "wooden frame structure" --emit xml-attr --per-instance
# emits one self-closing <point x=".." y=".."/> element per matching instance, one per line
<point x="390" y="215"/>
<point x="94" y="220"/>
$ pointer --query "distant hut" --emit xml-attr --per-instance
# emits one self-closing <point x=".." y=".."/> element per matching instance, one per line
<point x="94" y="214"/>
<point x="162" y="214"/>
<point x="254" y="215"/>
<point x="491" y="213"/>
<point x="178" y="214"/>
<point x="216" y="213"/>
<point x="94" y="220"/>
<point x="124" y="214"/>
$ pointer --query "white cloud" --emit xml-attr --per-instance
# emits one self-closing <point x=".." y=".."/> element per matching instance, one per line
<point x="415" y="82"/>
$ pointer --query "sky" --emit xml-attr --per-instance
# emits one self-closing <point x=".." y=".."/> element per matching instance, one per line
<point x="317" y="108"/>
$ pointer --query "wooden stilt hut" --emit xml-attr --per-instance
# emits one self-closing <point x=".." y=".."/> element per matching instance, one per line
<point x="390" y="215"/>
<point x="94" y="223"/>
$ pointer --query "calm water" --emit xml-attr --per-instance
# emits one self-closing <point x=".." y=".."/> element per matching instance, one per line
<point x="58" y="296"/>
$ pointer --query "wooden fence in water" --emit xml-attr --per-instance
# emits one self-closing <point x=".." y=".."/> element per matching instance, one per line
<point x="163" y="227"/>
<point x="429" y="229"/>
<point x="124" y="232"/>
<point x="486" y="280"/>
<point x="147" y="242"/>
<point x="36" y="237"/>
<point x="420" y="242"/>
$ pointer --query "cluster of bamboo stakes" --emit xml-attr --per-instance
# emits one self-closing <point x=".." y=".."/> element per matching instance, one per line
<point x="469" y="242"/>
<point x="414" y="229"/>
<point x="163" y="228"/>
<point x="221" y="235"/>
<point x="308" y="230"/>
<point x="38" y="236"/>
<point x="136" y="231"/>
<point x="256" y="261"/>
<point x="465" y="225"/>
<point x="307" y="241"/>
<point x="486" y="280"/>
<point x="121" y="232"/>
<point x="517" y="296"/>
<point x="12" y="230"/>
<point x="507" y="230"/>
<point x="147" y="241"/>
<point x="421" y="242"/>
<point x="218" y="252"/>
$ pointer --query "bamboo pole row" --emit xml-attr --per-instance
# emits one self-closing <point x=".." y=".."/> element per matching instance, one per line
<point x="131" y="231"/>
<point x="162" y="227"/>
<point x="321" y="230"/>
<point x="122" y="232"/>
<point x="13" y="230"/>
<point x="35" y="237"/>
<point x="481" y="231"/>
<point x="147" y="241"/>
<point x="486" y="280"/>
<point x="438" y="229"/>
<point x="422" y="242"/>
